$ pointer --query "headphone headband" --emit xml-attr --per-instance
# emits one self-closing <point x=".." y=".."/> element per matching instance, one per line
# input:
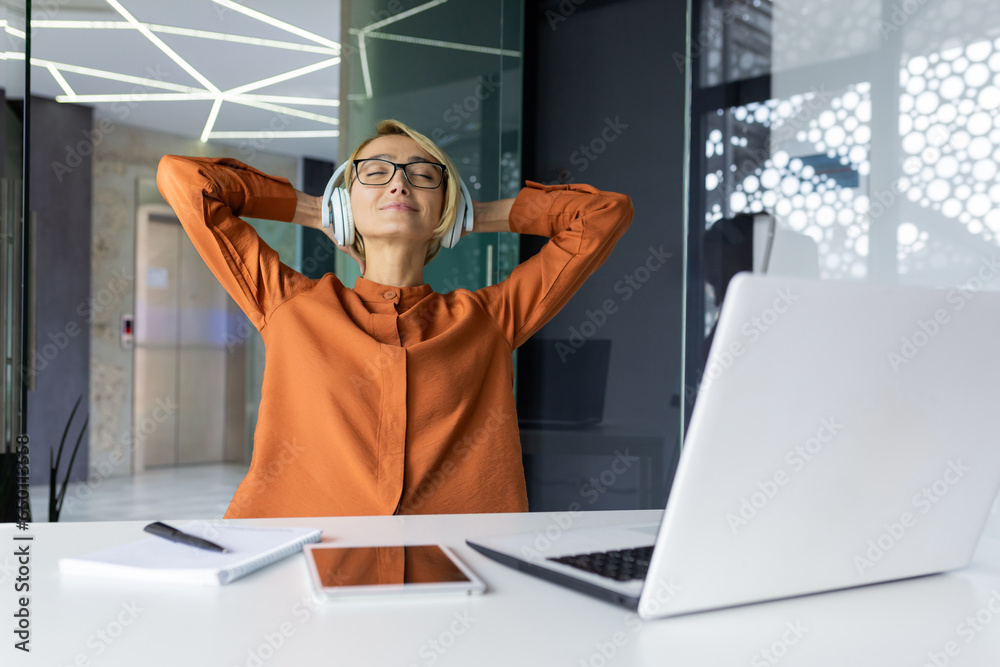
<point x="336" y="205"/>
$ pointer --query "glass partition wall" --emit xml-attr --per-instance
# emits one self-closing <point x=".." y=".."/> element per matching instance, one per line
<point x="136" y="351"/>
<point x="290" y="88"/>
<point x="15" y="249"/>
<point x="845" y="142"/>
<point x="130" y="322"/>
<point x="453" y="72"/>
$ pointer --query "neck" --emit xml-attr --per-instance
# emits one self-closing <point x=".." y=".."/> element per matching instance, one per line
<point x="396" y="265"/>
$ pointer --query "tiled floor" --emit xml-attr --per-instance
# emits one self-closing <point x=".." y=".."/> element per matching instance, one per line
<point x="191" y="492"/>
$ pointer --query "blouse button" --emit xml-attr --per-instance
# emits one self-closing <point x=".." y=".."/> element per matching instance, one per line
<point x="389" y="294"/>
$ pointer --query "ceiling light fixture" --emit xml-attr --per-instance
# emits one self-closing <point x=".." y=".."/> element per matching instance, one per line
<point x="284" y="99"/>
<point x="363" y="32"/>
<point x="442" y="44"/>
<point x="370" y="31"/>
<point x="308" y="69"/>
<point x="163" y="47"/>
<point x="365" y="74"/>
<point x="270" y="20"/>
<point x="174" y="92"/>
<point x="264" y="102"/>
<point x="11" y="30"/>
<point x="136" y="97"/>
<point x="115" y="76"/>
<point x="187" y="32"/>
<point x="287" y="111"/>
<point x="184" y="97"/>
<point x="404" y="15"/>
<point x="282" y="134"/>
<point x="61" y="81"/>
<point x="210" y="123"/>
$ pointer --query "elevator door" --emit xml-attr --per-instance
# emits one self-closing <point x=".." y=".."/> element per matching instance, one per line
<point x="181" y="364"/>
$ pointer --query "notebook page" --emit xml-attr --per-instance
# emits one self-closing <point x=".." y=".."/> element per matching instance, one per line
<point x="157" y="559"/>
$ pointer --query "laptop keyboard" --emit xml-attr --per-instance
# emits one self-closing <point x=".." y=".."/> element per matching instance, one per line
<point x="623" y="565"/>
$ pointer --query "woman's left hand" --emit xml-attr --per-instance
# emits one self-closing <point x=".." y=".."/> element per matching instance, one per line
<point x="491" y="216"/>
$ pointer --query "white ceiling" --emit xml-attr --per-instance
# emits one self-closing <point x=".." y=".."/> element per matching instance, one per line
<point x="86" y="56"/>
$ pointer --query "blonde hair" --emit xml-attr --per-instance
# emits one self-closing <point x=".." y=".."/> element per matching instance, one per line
<point x="452" y="189"/>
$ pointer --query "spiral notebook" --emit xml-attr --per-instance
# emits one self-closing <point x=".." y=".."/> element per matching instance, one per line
<point x="156" y="559"/>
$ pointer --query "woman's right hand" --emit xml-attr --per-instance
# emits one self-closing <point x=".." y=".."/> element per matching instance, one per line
<point x="308" y="213"/>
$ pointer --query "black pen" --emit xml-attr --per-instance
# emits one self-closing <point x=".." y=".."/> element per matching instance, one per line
<point x="161" y="529"/>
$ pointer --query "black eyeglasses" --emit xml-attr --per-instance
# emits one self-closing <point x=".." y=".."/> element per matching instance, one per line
<point x="375" y="171"/>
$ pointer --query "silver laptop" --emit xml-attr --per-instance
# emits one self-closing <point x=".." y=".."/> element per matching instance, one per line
<point x="844" y="434"/>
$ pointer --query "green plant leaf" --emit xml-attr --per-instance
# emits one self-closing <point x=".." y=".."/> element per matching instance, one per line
<point x="55" y="500"/>
<point x="76" y="448"/>
<point x="62" y="440"/>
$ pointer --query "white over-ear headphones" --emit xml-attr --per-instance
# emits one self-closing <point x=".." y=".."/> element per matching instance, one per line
<point x="337" y="211"/>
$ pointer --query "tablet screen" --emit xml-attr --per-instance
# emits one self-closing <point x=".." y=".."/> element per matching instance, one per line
<point x="382" y="566"/>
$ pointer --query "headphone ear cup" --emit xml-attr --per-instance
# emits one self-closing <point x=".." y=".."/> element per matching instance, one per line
<point x="348" y="218"/>
<point x="463" y="218"/>
<point x="454" y="233"/>
<point x="343" y="224"/>
<point x="468" y="208"/>
<point x="336" y="207"/>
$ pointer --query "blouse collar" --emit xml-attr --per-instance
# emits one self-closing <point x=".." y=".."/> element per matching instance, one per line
<point x="407" y="296"/>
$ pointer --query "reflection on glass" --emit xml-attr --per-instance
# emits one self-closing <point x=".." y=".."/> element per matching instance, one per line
<point x="803" y="159"/>
<point x="734" y="38"/>
<point x="375" y="566"/>
<point x="869" y="130"/>
<point x="887" y="162"/>
<point x="810" y="32"/>
<point x="453" y="72"/>
<point x="262" y="86"/>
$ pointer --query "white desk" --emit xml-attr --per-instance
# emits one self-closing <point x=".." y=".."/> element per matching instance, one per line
<point x="520" y="621"/>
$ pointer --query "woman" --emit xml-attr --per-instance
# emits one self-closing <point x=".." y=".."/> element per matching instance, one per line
<point x="388" y="397"/>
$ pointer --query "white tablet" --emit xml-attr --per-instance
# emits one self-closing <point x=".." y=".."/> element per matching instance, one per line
<point x="338" y="571"/>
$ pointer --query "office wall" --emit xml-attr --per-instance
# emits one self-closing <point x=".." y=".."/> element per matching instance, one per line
<point x="605" y="105"/>
<point x="60" y="207"/>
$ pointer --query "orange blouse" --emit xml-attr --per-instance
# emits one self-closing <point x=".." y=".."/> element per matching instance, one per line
<point x="383" y="399"/>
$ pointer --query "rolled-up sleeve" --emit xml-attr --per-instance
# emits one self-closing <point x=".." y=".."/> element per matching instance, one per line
<point x="209" y="197"/>
<point x="582" y="224"/>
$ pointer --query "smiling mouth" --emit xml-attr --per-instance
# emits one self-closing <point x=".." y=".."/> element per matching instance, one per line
<point x="398" y="207"/>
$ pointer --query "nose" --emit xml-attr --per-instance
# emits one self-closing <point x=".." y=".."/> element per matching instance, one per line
<point x="398" y="182"/>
